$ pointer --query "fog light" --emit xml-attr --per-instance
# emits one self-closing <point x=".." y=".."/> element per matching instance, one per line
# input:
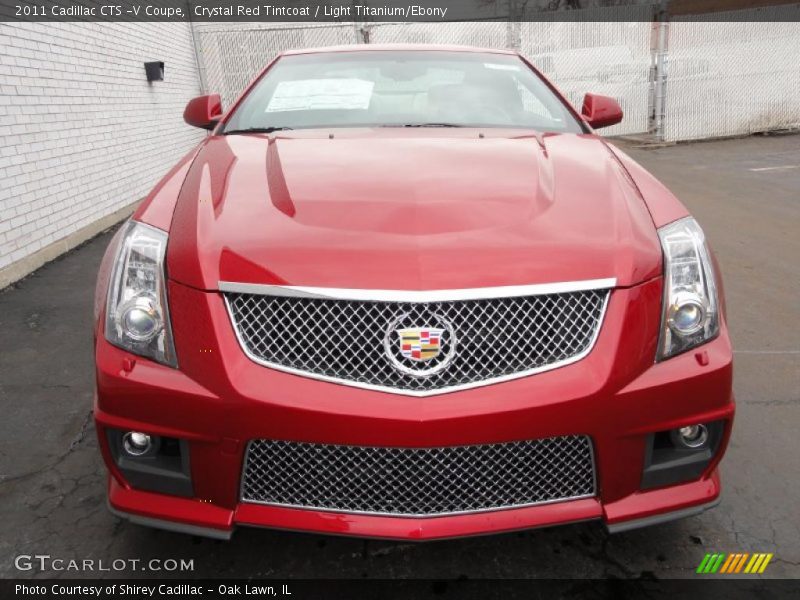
<point x="693" y="436"/>
<point x="137" y="443"/>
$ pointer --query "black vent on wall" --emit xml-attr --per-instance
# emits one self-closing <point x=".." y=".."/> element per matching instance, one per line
<point x="154" y="70"/>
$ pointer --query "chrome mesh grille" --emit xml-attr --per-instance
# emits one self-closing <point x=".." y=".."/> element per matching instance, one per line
<point x="418" y="481"/>
<point x="354" y="341"/>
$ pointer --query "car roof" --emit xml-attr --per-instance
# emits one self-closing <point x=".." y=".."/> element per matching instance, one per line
<point x="389" y="47"/>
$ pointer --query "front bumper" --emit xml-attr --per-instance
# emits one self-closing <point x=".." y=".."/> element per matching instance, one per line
<point x="219" y="400"/>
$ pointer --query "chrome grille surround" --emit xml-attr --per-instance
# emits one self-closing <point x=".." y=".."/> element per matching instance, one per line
<point x="345" y="336"/>
<point x="418" y="482"/>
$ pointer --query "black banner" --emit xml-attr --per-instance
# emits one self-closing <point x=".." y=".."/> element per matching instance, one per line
<point x="367" y="589"/>
<point x="207" y="11"/>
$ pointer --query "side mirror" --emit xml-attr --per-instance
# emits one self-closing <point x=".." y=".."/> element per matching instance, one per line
<point x="601" y="111"/>
<point x="204" y="111"/>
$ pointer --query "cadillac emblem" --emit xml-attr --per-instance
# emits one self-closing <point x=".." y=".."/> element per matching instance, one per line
<point x="422" y="350"/>
<point x="420" y="344"/>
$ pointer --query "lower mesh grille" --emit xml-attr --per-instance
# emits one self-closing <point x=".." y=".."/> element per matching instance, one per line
<point x="418" y="481"/>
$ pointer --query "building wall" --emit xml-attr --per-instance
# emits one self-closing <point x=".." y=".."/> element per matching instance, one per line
<point x="83" y="135"/>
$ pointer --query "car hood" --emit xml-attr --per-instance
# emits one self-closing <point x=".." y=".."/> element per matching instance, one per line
<point x="401" y="209"/>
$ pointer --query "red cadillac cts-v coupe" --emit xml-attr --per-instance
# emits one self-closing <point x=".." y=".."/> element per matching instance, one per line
<point x="407" y="292"/>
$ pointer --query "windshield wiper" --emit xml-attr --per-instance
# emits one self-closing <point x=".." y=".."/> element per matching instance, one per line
<point x="256" y="130"/>
<point x="432" y="125"/>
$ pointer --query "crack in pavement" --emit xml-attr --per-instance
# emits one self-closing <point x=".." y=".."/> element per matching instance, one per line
<point x="81" y="433"/>
<point x="74" y="443"/>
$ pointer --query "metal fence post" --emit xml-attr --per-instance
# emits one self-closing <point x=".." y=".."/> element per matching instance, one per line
<point x="363" y="31"/>
<point x="660" y="71"/>
<point x="198" y="52"/>
<point x="513" y="25"/>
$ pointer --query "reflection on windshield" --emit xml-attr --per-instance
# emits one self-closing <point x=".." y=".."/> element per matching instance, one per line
<point x="394" y="88"/>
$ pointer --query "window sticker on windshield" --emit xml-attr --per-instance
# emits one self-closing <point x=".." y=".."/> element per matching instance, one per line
<point x="321" y="94"/>
<point x="499" y="67"/>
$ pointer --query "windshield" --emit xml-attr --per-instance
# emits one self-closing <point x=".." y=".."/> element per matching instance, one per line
<point x="401" y="88"/>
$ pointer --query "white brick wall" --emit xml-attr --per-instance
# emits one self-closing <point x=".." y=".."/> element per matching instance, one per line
<point x="82" y="133"/>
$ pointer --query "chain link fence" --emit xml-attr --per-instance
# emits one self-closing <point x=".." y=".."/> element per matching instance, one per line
<point x="607" y="55"/>
<point x="731" y="78"/>
<point x="719" y="78"/>
<point x="230" y="55"/>
<point x="483" y="34"/>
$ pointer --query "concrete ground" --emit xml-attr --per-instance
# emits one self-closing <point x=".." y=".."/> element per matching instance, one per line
<point x="745" y="192"/>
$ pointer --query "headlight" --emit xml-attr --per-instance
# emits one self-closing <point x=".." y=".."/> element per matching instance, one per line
<point x="137" y="317"/>
<point x="691" y="310"/>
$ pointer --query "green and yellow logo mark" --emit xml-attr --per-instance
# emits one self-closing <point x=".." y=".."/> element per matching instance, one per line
<point x="734" y="563"/>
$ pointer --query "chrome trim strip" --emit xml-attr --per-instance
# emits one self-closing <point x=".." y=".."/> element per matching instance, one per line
<point x="423" y="515"/>
<point x="661" y="518"/>
<point x="417" y="296"/>
<point x="198" y="530"/>
<point x="421" y="393"/>
<point x="419" y="516"/>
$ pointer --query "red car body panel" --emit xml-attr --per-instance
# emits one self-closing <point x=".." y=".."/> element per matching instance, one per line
<point x="159" y="205"/>
<point x="409" y="210"/>
<point x="664" y="207"/>
<point x="416" y="210"/>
